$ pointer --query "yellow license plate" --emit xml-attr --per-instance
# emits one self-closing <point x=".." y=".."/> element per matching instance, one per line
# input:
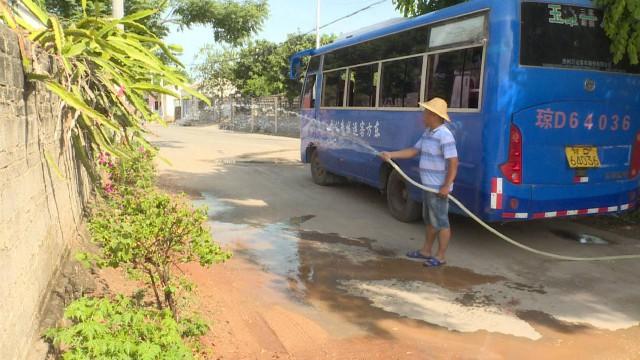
<point x="582" y="157"/>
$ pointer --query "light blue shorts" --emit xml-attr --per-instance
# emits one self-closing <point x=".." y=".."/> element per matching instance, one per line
<point x="435" y="210"/>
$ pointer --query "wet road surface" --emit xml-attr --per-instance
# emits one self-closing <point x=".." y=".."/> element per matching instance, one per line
<point x="332" y="260"/>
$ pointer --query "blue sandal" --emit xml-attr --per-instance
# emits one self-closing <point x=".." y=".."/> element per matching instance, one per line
<point x="434" y="262"/>
<point x="416" y="254"/>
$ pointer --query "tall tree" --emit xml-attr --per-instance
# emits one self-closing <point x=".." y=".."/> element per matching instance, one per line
<point x="232" y="21"/>
<point x="621" y="22"/>
<point x="215" y="72"/>
<point x="622" y="25"/>
<point x="419" y="7"/>
<point x="259" y="68"/>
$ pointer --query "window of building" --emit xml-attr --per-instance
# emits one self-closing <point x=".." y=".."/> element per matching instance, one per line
<point x="309" y="93"/>
<point x="455" y="77"/>
<point x="470" y="30"/>
<point x="400" y="85"/>
<point x="363" y="83"/>
<point x="333" y="88"/>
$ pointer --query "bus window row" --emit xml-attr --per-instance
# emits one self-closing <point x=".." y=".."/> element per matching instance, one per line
<point x="378" y="83"/>
<point x="454" y="76"/>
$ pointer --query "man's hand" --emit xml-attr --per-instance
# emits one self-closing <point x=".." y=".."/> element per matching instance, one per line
<point x="385" y="156"/>
<point x="444" y="191"/>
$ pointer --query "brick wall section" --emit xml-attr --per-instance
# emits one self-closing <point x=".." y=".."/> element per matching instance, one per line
<point x="39" y="211"/>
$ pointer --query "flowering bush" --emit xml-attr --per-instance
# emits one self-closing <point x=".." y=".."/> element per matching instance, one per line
<point x="126" y="175"/>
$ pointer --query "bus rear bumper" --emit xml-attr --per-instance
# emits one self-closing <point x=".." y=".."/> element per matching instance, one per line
<point x="527" y="202"/>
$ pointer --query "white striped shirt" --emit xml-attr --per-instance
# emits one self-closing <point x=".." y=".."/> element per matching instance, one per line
<point x="436" y="147"/>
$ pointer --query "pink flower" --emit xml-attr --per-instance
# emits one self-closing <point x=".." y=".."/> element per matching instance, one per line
<point x="102" y="158"/>
<point x="108" y="188"/>
<point x="121" y="91"/>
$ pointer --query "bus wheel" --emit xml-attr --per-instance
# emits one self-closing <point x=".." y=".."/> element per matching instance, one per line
<point x="400" y="204"/>
<point x="319" y="174"/>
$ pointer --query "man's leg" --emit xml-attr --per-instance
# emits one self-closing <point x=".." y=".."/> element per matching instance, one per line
<point x="430" y="238"/>
<point x="440" y="219"/>
<point x="443" y="242"/>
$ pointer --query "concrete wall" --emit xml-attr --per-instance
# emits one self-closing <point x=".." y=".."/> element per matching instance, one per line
<point x="40" y="211"/>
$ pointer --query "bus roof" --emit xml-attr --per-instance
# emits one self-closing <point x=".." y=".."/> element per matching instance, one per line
<point x="440" y="15"/>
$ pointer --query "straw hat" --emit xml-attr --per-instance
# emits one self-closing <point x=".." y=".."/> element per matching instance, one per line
<point x="438" y="107"/>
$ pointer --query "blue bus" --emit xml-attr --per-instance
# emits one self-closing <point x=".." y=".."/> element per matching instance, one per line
<point x="546" y="124"/>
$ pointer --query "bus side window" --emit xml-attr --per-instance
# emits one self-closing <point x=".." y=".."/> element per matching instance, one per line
<point x="362" y="86"/>
<point x="400" y="85"/>
<point x="309" y="93"/>
<point x="455" y="77"/>
<point x="333" y="88"/>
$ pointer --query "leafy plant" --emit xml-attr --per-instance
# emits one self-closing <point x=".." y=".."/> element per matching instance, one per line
<point x="622" y="25"/>
<point x="104" y="75"/>
<point x="153" y="232"/>
<point x="118" y="329"/>
<point x="127" y="175"/>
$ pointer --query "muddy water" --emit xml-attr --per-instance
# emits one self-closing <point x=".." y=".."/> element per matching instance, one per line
<point x="386" y="295"/>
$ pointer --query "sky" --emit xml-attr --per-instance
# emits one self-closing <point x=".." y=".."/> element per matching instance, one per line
<point x="290" y="16"/>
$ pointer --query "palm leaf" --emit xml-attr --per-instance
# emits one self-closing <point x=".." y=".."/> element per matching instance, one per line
<point x="155" y="88"/>
<point x="36" y="10"/>
<point x="81" y="152"/>
<point x="7" y="16"/>
<point x="139" y="15"/>
<point x="79" y="104"/>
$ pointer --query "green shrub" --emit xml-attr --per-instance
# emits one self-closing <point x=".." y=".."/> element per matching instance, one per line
<point x="138" y="171"/>
<point x="118" y="329"/>
<point x="153" y="232"/>
<point x="126" y="175"/>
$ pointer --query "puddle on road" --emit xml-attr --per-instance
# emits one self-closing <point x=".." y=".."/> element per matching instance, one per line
<point x="365" y="284"/>
<point x="352" y="277"/>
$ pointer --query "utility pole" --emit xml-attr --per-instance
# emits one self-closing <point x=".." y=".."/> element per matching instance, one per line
<point x="117" y="10"/>
<point x="317" y="24"/>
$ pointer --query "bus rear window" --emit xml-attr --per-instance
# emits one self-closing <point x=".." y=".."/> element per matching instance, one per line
<point x="566" y="36"/>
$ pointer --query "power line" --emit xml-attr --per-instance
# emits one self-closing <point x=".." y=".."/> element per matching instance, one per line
<point x="348" y="15"/>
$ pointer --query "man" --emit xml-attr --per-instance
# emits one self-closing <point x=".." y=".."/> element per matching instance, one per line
<point x="438" y="169"/>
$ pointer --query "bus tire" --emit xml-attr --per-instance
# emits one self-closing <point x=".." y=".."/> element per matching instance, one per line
<point x="319" y="174"/>
<point x="400" y="204"/>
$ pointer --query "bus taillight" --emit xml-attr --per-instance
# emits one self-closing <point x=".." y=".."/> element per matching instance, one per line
<point x="635" y="158"/>
<point x="512" y="169"/>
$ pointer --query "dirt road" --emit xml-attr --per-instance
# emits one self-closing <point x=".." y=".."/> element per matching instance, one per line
<point x="319" y="272"/>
